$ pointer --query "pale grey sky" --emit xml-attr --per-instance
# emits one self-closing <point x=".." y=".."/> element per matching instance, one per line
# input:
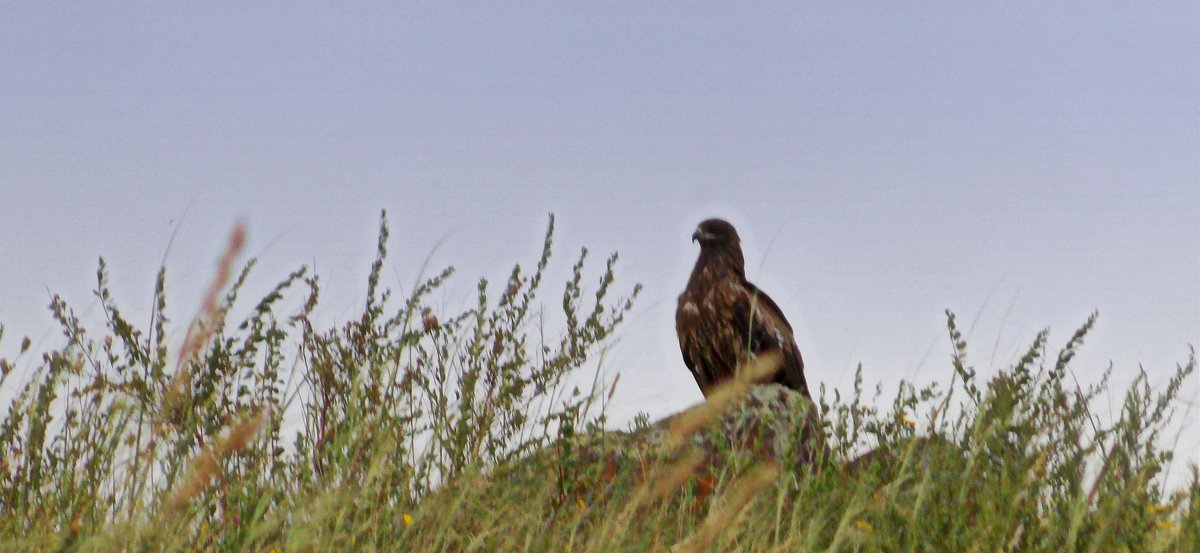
<point x="1018" y="162"/>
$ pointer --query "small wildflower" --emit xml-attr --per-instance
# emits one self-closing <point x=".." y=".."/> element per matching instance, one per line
<point x="1159" y="510"/>
<point x="408" y="519"/>
<point x="582" y="505"/>
<point x="908" y="421"/>
<point x="1161" y="514"/>
<point x="863" y="525"/>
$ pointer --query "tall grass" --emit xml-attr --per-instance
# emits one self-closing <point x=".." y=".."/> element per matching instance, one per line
<point x="409" y="428"/>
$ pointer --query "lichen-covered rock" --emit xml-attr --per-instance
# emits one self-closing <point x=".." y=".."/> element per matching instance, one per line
<point x="769" y="424"/>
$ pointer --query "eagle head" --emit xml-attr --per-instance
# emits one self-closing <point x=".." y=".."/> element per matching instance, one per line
<point x="716" y="232"/>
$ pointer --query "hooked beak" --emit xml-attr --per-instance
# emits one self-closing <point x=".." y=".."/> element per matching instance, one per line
<point x="700" y="236"/>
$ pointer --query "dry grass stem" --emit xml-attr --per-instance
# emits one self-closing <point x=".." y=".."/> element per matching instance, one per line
<point x="687" y="423"/>
<point x="202" y="327"/>
<point x="206" y="465"/>
<point x="730" y="507"/>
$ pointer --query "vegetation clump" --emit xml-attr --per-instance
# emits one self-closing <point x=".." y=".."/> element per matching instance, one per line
<point x="410" y="428"/>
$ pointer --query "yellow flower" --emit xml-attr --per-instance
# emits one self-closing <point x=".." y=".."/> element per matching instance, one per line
<point x="408" y="519"/>
<point x="907" y="421"/>
<point x="582" y="505"/>
<point x="1158" y="510"/>
<point x="863" y="525"/>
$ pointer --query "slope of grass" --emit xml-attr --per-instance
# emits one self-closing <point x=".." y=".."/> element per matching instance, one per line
<point x="411" y="429"/>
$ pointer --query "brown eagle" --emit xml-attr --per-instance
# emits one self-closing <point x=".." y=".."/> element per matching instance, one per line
<point x="723" y="320"/>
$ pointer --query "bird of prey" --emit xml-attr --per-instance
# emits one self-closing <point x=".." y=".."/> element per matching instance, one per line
<point x="723" y="320"/>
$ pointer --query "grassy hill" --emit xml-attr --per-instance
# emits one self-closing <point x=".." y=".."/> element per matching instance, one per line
<point x="408" y="429"/>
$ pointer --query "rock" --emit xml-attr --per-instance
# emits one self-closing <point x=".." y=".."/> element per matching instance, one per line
<point x="770" y="424"/>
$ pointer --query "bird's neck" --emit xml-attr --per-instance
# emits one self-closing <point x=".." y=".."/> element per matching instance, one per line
<point x="714" y="264"/>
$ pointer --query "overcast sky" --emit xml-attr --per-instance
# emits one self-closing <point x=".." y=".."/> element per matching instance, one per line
<point x="1019" y="163"/>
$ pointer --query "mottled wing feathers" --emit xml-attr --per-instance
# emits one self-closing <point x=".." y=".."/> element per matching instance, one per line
<point x="766" y="329"/>
<point x="766" y="302"/>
